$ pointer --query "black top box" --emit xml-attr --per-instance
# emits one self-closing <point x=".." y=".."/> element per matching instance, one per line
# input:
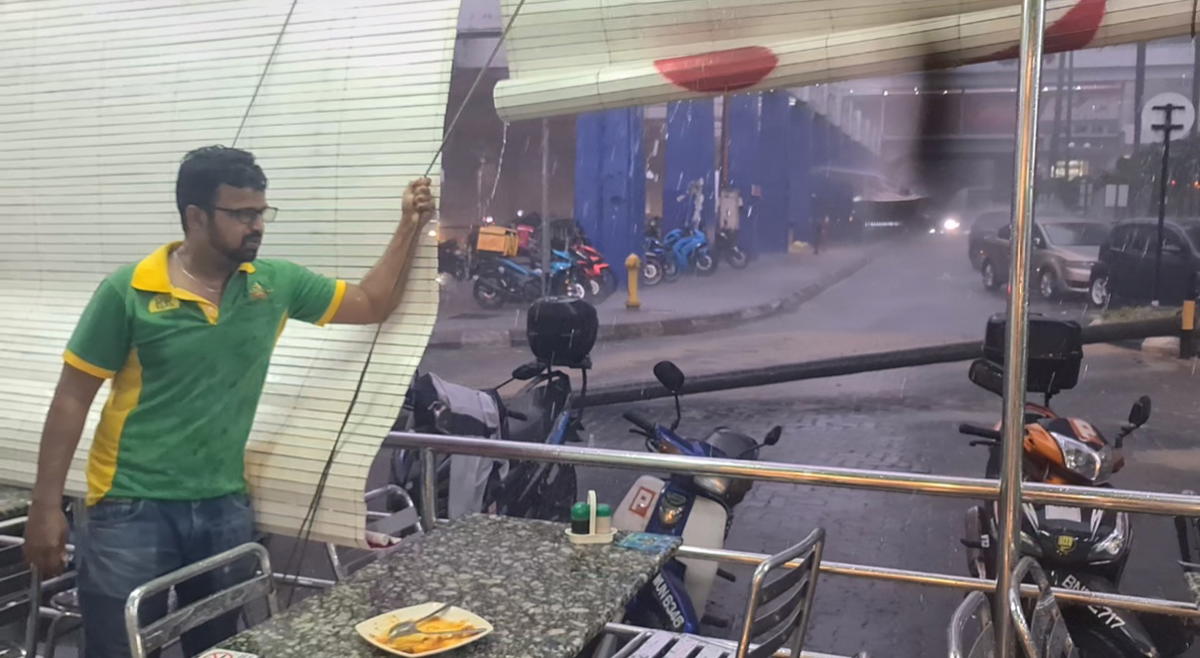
<point x="1055" y="351"/>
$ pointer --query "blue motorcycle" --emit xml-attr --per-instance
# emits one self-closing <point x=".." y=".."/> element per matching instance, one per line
<point x="499" y="280"/>
<point x="697" y="507"/>
<point x="689" y="249"/>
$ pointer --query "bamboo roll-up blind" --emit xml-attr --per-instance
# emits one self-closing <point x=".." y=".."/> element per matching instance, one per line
<point x="99" y="100"/>
<point x="572" y="56"/>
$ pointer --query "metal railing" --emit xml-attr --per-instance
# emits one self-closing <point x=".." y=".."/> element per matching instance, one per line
<point x="871" y="480"/>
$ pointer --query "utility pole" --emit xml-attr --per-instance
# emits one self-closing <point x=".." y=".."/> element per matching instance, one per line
<point x="1139" y="91"/>
<point x="545" y="209"/>
<point x="1166" y="128"/>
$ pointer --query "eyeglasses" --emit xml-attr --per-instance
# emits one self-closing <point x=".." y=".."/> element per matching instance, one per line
<point x="250" y="215"/>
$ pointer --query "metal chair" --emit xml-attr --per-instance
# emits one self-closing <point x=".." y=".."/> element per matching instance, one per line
<point x="981" y="643"/>
<point x="144" y="639"/>
<point x="1044" y="634"/>
<point x="777" y="613"/>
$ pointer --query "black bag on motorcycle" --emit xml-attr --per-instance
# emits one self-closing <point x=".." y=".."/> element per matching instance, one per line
<point x="1055" y="351"/>
<point x="561" y="331"/>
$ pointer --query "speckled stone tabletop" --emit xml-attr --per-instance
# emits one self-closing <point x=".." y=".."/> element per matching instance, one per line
<point x="545" y="596"/>
<point x="14" y="501"/>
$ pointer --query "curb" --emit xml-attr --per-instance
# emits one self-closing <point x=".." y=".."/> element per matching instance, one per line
<point x="515" y="337"/>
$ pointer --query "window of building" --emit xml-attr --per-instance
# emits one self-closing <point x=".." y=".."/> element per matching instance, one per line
<point x="1069" y="169"/>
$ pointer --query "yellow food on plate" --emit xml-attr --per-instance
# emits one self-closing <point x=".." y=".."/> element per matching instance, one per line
<point x="421" y="643"/>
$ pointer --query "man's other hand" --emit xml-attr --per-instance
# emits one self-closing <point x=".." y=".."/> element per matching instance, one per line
<point x="46" y="540"/>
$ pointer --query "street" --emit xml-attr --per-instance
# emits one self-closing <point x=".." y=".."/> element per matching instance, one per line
<point x="919" y="293"/>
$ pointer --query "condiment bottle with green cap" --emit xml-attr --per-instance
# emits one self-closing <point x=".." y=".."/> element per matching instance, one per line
<point x="581" y="518"/>
<point x="603" y="519"/>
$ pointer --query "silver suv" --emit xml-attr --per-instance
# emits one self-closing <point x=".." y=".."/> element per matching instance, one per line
<point x="1065" y="248"/>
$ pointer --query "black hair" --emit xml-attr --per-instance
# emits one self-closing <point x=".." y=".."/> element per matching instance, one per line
<point x="205" y="169"/>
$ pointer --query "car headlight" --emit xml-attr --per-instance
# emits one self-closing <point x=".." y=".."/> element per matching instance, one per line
<point x="1079" y="457"/>
<point x="1116" y="541"/>
<point x="950" y="224"/>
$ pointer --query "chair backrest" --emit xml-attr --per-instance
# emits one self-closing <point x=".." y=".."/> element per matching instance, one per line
<point x="259" y="584"/>
<point x="971" y="634"/>
<point x="1044" y="634"/>
<point x="781" y="596"/>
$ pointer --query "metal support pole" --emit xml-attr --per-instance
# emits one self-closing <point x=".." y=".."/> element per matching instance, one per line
<point x="1033" y="16"/>
<point x="545" y="208"/>
<point x="428" y="490"/>
<point x="35" y="604"/>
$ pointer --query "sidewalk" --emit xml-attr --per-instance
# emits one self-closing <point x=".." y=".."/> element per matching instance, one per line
<point x="770" y="285"/>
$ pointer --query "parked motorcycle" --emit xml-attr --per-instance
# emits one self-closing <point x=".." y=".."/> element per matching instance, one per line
<point x="561" y="334"/>
<point x="697" y="508"/>
<point x="452" y="259"/>
<point x="689" y="251"/>
<point x="726" y="246"/>
<point x="500" y="280"/>
<point x="1079" y="548"/>
<point x="601" y="281"/>
<point x="658" y="264"/>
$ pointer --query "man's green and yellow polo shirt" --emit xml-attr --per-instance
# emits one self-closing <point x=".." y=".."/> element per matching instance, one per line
<point x="187" y="375"/>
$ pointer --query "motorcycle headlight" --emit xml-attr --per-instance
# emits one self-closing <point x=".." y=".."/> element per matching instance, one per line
<point x="1115" y="543"/>
<point x="1079" y="457"/>
<point x="712" y="484"/>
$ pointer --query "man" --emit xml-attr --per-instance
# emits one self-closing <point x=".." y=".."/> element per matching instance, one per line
<point x="186" y="335"/>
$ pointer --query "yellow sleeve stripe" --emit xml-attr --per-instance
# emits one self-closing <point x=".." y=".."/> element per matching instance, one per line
<point x="78" y="363"/>
<point x="339" y="293"/>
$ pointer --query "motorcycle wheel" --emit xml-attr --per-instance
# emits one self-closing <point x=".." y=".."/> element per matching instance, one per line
<point x="532" y="290"/>
<point x="652" y="272"/>
<point x="1093" y="644"/>
<point x="487" y="293"/>
<point x="603" y="287"/>
<point x="737" y="258"/>
<point x="670" y="270"/>
<point x="705" y="263"/>
<point x="610" y="281"/>
<point x="576" y="289"/>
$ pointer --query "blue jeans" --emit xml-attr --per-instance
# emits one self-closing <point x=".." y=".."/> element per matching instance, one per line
<point x="126" y="543"/>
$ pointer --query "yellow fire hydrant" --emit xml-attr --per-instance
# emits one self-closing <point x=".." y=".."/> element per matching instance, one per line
<point x="633" y="266"/>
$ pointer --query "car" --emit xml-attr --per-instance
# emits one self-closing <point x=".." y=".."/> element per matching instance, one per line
<point x="984" y="226"/>
<point x="1124" y="270"/>
<point x="1064" y="251"/>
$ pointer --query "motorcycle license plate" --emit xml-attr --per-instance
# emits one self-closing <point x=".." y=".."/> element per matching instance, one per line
<point x="1059" y="513"/>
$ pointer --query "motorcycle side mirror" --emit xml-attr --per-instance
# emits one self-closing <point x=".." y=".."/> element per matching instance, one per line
<point x="670" y="376"/>
<point x="527" y="371"/>
<point x="1140" y="413"/>
<point x="773" y="436"/>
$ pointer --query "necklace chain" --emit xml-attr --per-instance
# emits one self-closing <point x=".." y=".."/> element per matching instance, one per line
<point x="193" y="277"/>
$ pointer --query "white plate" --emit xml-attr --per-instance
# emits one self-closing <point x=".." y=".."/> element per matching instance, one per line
<point x="379" y="625"/>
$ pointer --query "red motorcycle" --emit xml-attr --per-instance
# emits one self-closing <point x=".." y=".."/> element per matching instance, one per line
<point x="598" y="276"/>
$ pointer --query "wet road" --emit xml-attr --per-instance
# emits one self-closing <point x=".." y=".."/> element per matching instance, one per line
<point x="904" y="420"/>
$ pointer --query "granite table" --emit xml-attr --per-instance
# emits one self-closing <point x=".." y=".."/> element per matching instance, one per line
<point x="14" y="501"/>
<point x="545" y="596"/>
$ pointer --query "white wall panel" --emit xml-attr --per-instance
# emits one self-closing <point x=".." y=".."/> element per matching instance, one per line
<point x="98" y="102"/>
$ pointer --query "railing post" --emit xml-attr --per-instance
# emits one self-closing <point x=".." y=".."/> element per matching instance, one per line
<point x="428" y="489"/>
<point x="1033" y="19"/>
